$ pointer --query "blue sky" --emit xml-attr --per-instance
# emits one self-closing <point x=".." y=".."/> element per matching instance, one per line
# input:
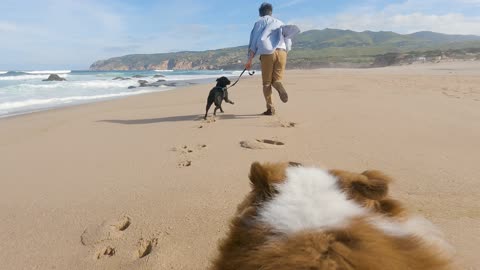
<point x="71" y="34"/>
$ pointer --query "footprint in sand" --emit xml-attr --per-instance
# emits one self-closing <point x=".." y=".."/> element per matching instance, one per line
<point x="288" y="124"/>
<point x="185" y="149"/>
<point x="209" y="120"/>
<point x="186" y="163"/>
<point x="460" y="93"/>
<point x="261" y="144"/>
<point x="105" y="252"/>
<point x="108" y="230"/>
<point x="145" y="247"/>
<point x="206" y="122"/>
<point x="277" y="122"/>
<point x="187" y="153"/>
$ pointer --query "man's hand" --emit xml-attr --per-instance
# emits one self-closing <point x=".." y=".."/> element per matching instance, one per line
<point x="248" y="65"/>
<point x="251" y="55"/>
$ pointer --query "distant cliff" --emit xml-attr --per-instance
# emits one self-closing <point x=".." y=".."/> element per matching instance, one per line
<point x="230" y="58"/>
<point x="314" y="49"/>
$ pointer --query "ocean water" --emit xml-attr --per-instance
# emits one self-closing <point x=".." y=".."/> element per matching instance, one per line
<point x="24" y="91"/>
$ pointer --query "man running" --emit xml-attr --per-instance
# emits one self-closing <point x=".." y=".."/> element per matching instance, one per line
<point x="268" y="41"/>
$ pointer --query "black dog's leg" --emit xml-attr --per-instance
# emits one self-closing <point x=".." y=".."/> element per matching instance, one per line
<point x="221" y="109"/>
<point x="215" y="111"/>
<point x="209" y="104"/>
<point x="218" y="102"/>
<point x="225" y="97"/>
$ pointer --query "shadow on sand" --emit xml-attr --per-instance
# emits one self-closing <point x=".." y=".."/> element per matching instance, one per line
<point x="181" y="118"/>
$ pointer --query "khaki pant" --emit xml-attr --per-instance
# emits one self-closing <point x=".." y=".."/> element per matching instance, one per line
<point x="273" y="67"/>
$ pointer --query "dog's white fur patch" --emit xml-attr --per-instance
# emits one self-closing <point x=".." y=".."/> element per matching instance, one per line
<point x="414" y="225"/>
<point x="309" y="198"/>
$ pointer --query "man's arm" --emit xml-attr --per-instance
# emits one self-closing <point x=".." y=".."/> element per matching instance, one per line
<point x="289" y="32"/>
<point x="251" y="55"/>
<point x="254" y="36"/>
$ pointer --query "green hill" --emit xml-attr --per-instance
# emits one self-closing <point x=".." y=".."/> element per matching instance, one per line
<point x="311" y="49"/>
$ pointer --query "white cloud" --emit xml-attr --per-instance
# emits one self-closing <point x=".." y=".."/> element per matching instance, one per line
<point x="74" y="33"/>
<point x="291" y="3"/>
<point x="407" y="17"/>
<point x="469" y="1"/>
<point x="8" y="27"/>
<point x="58" y="33"/>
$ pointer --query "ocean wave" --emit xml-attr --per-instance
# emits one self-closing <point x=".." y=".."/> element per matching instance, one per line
<point x="65" y="100"/>
<point x="95" y="84"/>
<point x="48" y="72"/>
<point x="26" y="77"/>
<point x="11" y="95"/>
<point x="164" y="70"/>
<point x="196" y="77"/>
<point x="111" y="74"/>
<point x="3" y="72"/>
<point x="22" y="77"/>
<point x="237" y="72"/>
<point x="21" y="92"/>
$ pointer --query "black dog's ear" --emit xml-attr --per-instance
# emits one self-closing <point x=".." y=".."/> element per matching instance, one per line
<point x="219" y="79"/>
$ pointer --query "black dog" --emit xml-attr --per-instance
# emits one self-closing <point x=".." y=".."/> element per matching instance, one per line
<point x="217" y="95"/>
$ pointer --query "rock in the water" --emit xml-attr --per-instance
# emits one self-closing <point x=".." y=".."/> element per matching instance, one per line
<point x="155" y="84"/>
<point x="142" y="82"/>
<point x="178" y="84"/>
<point x="54" y="77"/>
<point x="132" y="87"/>
<point x="139" y="76"/>
<point x="121" y="79"/>
<point x="161" y="80"/>
<point x="158" y="76"/>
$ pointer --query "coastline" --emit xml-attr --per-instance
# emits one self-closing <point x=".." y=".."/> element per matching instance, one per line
<point x="65" y="106"/>
<point x="67" y="171"/>
<point x="463" y="66"/>
<point x="85" y="87"/>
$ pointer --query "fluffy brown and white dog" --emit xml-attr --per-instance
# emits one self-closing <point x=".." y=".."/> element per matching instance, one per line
<point x="312" y="219"/>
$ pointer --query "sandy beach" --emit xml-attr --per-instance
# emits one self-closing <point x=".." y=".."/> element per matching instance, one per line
<point x="145" y="183"/>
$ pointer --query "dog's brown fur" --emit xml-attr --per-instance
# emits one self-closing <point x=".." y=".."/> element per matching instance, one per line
<point x="252" y="245"/>
<point x="370" y="189"/>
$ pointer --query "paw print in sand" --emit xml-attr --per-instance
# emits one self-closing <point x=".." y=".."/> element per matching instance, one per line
<point x="188" y="154"/>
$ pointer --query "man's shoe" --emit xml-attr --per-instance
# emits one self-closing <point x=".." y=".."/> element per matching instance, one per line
<point x="268" y="112"/>
<point x="281" y="91"/>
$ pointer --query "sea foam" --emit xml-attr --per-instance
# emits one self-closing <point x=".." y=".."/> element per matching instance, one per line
<point x="26" y="77"/>
<point x="22" y="92"/>
<point x="66" y="100"/>
<point x="48" y="72"/>
<point x="94" y="84"/>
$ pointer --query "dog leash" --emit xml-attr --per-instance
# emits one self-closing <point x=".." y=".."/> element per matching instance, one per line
<point x="251" y="73"/>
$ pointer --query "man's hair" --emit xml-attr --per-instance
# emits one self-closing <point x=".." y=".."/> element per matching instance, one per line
<point x="265" y="9"/>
